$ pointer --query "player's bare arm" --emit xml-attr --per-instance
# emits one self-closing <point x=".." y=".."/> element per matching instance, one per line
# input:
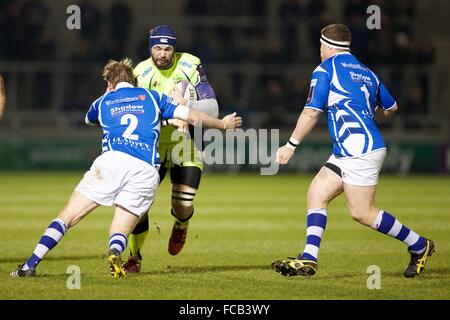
<point x="305" y="123"/>
<point x="230" y="121"/>
<point x="2" y="97"/>
<point x="195" y="116"/>
<point x="181" y="125"/>
<point x="208" y="106"/>
<point x="381" y="114"/>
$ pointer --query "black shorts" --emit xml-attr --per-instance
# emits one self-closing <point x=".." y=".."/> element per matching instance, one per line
<point x="188" y="176"/>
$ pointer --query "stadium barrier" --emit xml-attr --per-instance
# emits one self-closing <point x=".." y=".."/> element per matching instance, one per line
<point x="78" y="154"/>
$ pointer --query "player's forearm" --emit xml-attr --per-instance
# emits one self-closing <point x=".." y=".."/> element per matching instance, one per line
<point x="196" y="118"/>
<point x="305" y="123"/>
<point x="208" y="106"/>
<point x="2" y="107"/>
<point x="2" y="97"/>
<point x="2" y="86"/>
<point x="381" y="114"/>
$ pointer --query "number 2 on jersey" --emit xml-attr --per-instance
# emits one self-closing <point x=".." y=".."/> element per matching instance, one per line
<point x="132" y="125"/>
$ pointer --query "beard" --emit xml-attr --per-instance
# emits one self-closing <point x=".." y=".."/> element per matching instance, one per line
<point x="162" y="63"/>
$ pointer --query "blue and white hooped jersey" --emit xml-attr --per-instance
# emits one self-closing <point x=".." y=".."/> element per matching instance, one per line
<point x="350" y="92"/>
<point x="131" y="120"/>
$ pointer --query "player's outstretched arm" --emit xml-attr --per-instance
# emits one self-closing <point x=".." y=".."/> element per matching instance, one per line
<point x="208" y="106"/>
<point x="197" y="118"/>
<point x="306" y="121"/>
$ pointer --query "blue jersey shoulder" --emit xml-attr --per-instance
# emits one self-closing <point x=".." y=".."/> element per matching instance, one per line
<point x="349" y="92"/>
<point x="319" y="87"/>
<point x="92" y="114"/>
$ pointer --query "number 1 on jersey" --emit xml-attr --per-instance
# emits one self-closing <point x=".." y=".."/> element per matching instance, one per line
<point x="132" y="125"/>
<point x="367" y="95"/>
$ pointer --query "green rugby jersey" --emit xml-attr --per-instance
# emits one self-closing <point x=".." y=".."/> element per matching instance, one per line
<point x="150" y="77"/>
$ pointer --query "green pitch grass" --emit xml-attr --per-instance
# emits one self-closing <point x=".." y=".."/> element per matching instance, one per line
<point x="241" y="224"/>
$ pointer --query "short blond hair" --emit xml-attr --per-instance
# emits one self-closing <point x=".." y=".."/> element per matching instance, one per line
<point x="119" y="71"/>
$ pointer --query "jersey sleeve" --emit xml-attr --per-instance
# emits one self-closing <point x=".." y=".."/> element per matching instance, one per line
<point x="165" y="103"/>
<point x="319" y="90"/>
<point x="384" y="98"/>
<point x="92" y="114"/>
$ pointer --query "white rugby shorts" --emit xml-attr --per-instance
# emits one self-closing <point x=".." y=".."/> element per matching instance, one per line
<point x="360" y="171"/>
<point x="118" y="178"/>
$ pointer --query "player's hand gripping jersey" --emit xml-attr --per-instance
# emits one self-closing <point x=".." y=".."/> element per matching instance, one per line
<point x="130" y="118"/>
<point x="350" y="92"/>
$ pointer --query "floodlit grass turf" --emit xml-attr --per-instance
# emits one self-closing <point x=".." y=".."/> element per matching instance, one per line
<point x="241" y="224"/>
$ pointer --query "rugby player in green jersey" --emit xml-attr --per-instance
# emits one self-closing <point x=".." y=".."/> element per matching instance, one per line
<point x="161" y="72"/>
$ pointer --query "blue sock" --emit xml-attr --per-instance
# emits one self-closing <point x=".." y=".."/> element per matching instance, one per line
<point x="118" y="241"/>
<point x="52" y="235"/>
<point x="387" y="224"/>
<point x="315" y="225"/>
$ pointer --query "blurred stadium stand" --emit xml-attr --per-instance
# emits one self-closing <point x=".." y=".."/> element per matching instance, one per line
<point x="259" y="55"/>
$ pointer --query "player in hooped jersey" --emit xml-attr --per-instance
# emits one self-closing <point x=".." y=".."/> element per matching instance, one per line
<point x="126" y="173"/>
<point x="355" y="100"/>
<point x="161" y="71"/>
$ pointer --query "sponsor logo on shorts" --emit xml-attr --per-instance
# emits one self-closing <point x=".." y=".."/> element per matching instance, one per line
<point x="118" y="141"/>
